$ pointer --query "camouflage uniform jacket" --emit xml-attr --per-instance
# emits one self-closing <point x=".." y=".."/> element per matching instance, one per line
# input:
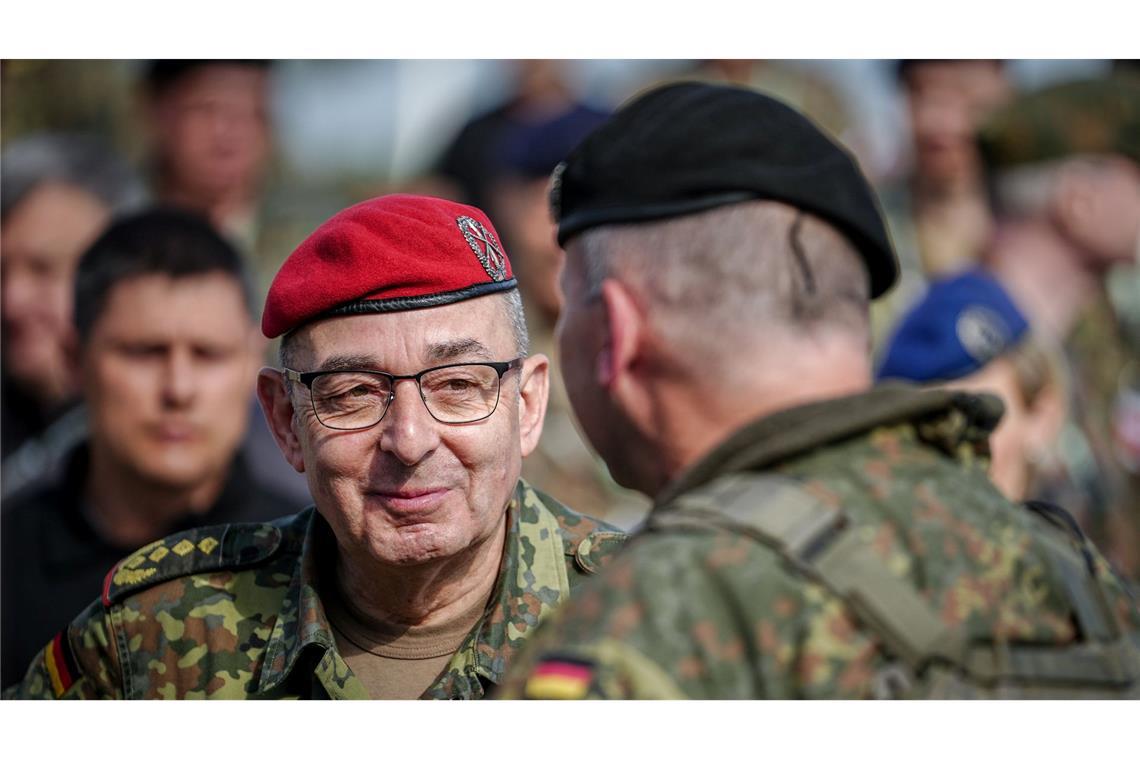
<point x="233" y="612"/>
<point x="706" y="610"/>
<point x="1102" y="361"/>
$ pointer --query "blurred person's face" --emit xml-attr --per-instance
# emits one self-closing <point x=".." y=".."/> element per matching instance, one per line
<point x="947" y="101"/>
<point x="538" y="79"/>
<point x="212" y="130"/>
<point x="41" y="241"/>
<point x="1099" y="210"/>
<point x="167" y="371"/>
<point x="524" y="216"/>
<point x="1022" y="432"/>
<point x="411" y="490"/>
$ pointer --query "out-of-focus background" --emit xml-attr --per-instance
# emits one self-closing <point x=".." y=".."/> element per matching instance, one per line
<point x="296" y="140"/>
<point x="361" y="124"/>
<point x="266" y="150"/>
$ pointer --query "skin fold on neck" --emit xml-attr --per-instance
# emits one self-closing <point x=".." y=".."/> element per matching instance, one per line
<point x="428" y="594"/>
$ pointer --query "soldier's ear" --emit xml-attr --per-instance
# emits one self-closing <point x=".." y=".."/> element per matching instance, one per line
<point x="625" y="322"/>
<point x="277" y="406"/>
<point x="534" y="389"/>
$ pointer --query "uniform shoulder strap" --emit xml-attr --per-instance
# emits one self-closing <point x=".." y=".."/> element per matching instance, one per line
<point x="594" y="551"/>
<point x="1076" y="571"/>
<point x="200" y="550"/>
<point x="813" y="538"/>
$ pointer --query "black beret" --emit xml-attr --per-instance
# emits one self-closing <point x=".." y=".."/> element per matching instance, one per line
<point x="689" y="147"/>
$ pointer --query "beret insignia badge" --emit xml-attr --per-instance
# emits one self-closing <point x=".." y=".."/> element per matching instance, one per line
<point x="982" y="333"/>
<point x="554" y="194"/>
<point x="485" y="246"/>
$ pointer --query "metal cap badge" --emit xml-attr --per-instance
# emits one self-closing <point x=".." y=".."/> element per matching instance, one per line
<point x="485" y="246"/>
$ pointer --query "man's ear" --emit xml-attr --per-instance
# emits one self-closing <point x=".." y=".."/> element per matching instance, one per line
<point x="534" y="390"/>
<point x="626" y="330"/>
<point x="278" y="410"/>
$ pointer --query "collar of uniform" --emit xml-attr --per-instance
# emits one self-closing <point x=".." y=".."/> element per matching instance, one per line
<point x="532" y="581"/>
<point x="302" y="619"/>
<point x="947" y="418"/>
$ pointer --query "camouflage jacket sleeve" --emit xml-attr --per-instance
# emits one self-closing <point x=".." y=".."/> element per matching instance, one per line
<point x="79" y="663"/>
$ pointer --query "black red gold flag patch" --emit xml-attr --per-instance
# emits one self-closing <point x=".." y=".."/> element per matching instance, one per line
<point x="61" y="665"/>
<point x="560" y="678"/>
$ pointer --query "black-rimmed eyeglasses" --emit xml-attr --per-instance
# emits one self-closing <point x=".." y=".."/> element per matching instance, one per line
<point x="356" y="399"/>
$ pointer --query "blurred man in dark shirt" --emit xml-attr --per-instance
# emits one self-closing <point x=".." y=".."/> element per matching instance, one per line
<point x="168" y="352"/>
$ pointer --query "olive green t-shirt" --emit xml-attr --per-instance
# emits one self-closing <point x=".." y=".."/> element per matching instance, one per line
<point x="397" y="661"/>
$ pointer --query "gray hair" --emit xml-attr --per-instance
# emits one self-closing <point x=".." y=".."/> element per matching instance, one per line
<point x="512" y="302"/>
<point x="80" y="160"/>
<point x="720" y="280"/>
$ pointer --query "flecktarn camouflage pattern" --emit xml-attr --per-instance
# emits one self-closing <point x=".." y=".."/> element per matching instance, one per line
<point x="851" y="548"/>
<point x="234" y="612"/>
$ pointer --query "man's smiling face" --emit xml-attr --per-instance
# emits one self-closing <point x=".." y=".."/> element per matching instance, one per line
<point x="410" y="489"/>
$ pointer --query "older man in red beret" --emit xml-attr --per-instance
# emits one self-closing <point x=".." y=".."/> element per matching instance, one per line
<point x="407" y="398"/>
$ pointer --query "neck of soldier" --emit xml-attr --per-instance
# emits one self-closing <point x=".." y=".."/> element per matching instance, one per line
<point x="431" y="593"/>
<point x="128" y="509"/>
<point x="689" y="417"/>
<point x="1043" y="274"/>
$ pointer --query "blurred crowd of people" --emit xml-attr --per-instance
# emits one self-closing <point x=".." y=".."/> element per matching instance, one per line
<point x="140" y="230"/>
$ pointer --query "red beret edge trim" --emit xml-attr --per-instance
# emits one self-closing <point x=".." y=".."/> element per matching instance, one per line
<point x="408" y="303"/>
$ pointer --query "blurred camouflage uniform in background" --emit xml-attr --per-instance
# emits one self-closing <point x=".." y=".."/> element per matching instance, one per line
<point x="235" y="612"/>
<point x="845" y="549"/>
<point x="1099" y="450"/>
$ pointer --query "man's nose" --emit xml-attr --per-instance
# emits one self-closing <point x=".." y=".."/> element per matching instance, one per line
<point x="178" y="383"/>
<point x="409" y="432"/>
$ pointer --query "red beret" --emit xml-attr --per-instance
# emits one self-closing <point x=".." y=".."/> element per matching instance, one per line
<point x="393" y="253"/>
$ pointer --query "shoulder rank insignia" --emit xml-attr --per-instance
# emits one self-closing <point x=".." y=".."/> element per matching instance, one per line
<point x="596" y="549"/>
<point x="61" y="665"/>
<point x="560" y="677"/>
<point x="217" y="547"/>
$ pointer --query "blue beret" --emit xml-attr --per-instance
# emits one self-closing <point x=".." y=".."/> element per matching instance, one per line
<point x="961" y="324"/>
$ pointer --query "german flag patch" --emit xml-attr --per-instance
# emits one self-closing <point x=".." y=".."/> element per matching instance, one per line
<point x="60" y="663"/>
<point x="560" y="677"/>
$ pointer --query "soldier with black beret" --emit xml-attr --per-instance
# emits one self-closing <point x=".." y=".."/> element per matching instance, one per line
<point x="811" y="535"/>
